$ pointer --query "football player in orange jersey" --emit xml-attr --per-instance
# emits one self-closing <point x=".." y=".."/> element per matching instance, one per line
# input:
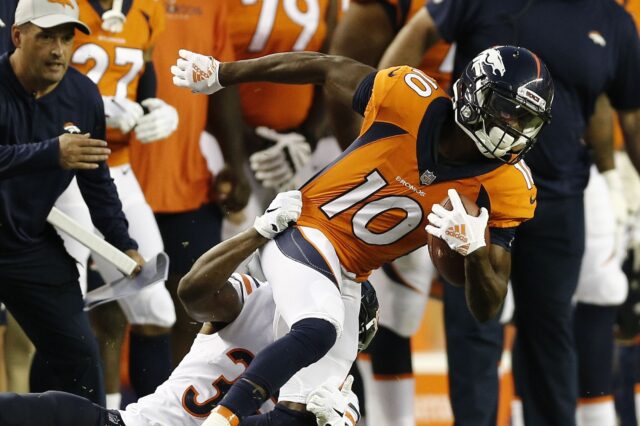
<point x="389" y="385"/>
<point x="284" y="121"/>
<point x="117" y="57"/>
<point x="380" y="199"/>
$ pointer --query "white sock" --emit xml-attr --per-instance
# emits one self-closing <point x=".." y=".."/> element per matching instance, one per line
<point x="517" y="416"/>
<point x="596" y="412"/>
<point x="366" y="373"/>
<point x="113" y="401"/>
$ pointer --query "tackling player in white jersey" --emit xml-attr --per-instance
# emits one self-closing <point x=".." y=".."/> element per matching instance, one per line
<point x="238" y="311"/>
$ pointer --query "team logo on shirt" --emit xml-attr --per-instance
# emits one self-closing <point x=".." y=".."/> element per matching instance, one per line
<point x="491" y="58"/>
<point x="70" y="127"/>
<point x="597" y="38"/>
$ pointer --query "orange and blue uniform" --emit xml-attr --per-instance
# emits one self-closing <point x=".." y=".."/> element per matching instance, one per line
<point x="372" y="202"/>
<point x="115" y="61"/>
<point x="259" y="28"/>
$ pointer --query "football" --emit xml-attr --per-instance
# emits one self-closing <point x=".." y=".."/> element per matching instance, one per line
<point x="449" y="263"/>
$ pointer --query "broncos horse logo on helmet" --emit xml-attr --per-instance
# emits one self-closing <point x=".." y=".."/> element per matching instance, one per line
<point x="502" y="101"/>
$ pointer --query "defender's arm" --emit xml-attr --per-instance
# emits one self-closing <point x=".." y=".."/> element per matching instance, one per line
<point x="487" y="271"/>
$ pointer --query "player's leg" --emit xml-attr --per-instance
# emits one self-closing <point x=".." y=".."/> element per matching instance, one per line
<point x="3" y="332"/>
<point x="403" y="289"/>
<point x="151" y="312"/>
<point x="52" y="315"/>
<point x="18" y="357"/>
<point x="186" y="236"/>
<point x="546" y="261"/>
<point x="601" y="289"/>
<point x="54" y="408"/>
<point x="473" y="352"/>
<point x="304" y="272"/>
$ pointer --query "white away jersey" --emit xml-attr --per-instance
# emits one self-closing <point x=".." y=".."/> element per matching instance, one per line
<point x="214" y="362"/>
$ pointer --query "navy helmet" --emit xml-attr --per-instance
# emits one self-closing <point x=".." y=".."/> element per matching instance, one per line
<point x="502" y="101"/>
<point x="368" y="318"/>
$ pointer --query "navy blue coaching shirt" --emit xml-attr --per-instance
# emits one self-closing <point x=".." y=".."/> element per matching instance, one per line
<point x="599" y="53"/>
<point x="7" y="15"/>
<point x="31" y="178"/>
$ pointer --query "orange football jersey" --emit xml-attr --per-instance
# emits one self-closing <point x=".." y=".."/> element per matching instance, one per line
<point x="262" y="27"/>
<point x="115" y="61"/>
<point x="372" y="202"/>
<point x="173" y="173"/>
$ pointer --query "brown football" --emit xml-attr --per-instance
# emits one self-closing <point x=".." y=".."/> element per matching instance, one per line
<point x="449" y="263"/>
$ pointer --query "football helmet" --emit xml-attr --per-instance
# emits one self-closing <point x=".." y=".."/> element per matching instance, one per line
<point x="502" y="101"/>
<point x="368" y="318"/>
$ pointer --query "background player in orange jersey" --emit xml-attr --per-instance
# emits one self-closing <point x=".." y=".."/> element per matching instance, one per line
<point x="117" y="57"/>
<point x="189" y="203"/>
<point x="403" y="286"/>
<point x="284" y="122"/>
<point x="371" y="205"/>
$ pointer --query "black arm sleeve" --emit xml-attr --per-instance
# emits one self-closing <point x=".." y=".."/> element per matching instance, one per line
<point x="281" y="416"/>
<point x="148" y="83"/>
<point x="363" y="93"/>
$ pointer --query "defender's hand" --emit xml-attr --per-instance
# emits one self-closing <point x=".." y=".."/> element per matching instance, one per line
<point x="159" y="123"/>
<point x="284" y="210"/>
<point x="462" y="232"/>
<point x="132" y="253"/>
<point x="276" y="166"/>
<point x="231" y="190"/>
<point x="121" y="113"/>
<point x="332" y="406"/>
<point x="80" y="152"/>
<point x="196" y="72"/>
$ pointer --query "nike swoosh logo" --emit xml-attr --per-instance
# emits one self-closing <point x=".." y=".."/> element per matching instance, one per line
<point x="393" y="72"/>
<point x="532" y="200"/>
<point x="272" y="210"/>
<point x="338" y="412"/>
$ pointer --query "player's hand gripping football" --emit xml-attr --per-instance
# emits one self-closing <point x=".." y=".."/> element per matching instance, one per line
<point x="333" y="406"/>
<point x="276" y="166"/>
<point x="196" y="72"/>
<point x="284" y="210"/>
<point x="159" y="123"/>
<point x="462" y="232"/>
<point x="121" y="113"/>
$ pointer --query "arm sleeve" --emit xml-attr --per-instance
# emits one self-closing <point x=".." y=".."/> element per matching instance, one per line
<point x="281" y="416"/>
<point x="503" y="237"/>
<point x="101" y="195"/>
<point x="27" y="158"/>
<point x="452" y="17"/>
<point x="363" y="93"/>
<point x="148" y="83"/>
<point x="624" y="91"/>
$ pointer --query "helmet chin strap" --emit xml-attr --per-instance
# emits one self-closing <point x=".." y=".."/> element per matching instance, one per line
<point x="113" y="19"/>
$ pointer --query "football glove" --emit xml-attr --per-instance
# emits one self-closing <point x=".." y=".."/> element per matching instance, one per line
<point x="333" y="406"/>
<point x="159" y="123"/>
<point x="196" y="72"/>
<point x="462" y="232"/>
<point x="276" y="166"/>
<point x="113" y="19"/>
<point x="284" y="210"/>
<point x="121" y="113"/>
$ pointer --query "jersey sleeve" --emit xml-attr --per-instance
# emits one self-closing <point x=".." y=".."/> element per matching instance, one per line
<point x="156" y="22"/>
<point x="222" y="46"/>
<point x="452" y="17"/>
<point x="401" y="96"/>
<point x="512" y="196"/>
<point x="244" y="284"/>
<point x="624" y="91"/>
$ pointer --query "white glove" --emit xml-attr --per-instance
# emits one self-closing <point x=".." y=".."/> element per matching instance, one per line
<point x="284" y="210"/>
<point x="159" y="123"/>
<point x="462" y="232"/>
<point x="616" y="192"/>
<point x="196" y="72"/>
<point x="277" y="166"/>
<point x="332" y="406"/>
<point x="121" y="113"/>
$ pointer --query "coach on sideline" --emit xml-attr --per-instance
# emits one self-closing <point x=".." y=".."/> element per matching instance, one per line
<point x="52" y="127"/>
